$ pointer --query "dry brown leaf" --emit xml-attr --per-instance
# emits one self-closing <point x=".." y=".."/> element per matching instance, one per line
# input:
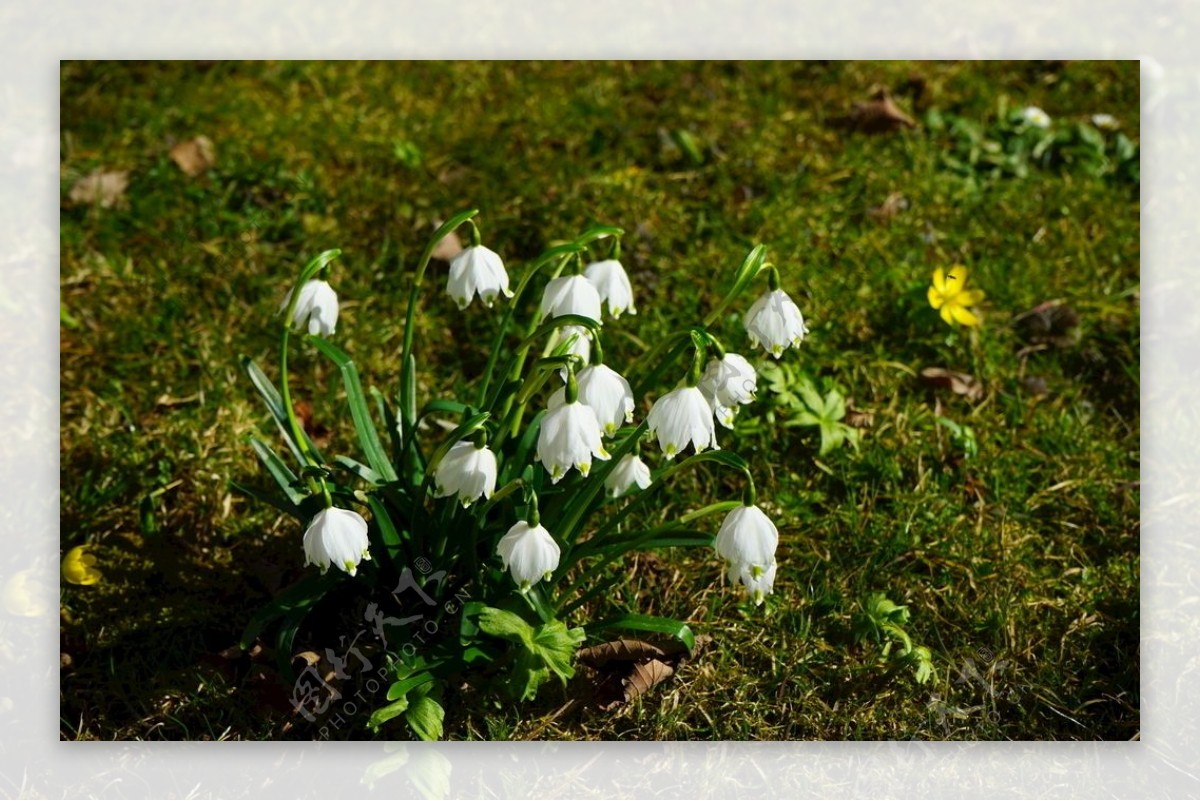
<point x="858" y="418"/>
<point x="880" y="114"/>
<point x="619" y="650"/>
<point x="645" y="676"/>
<point x="100" y="187"/>
<point x="319" y="432"/>
<point x="1052" y="323"/>
<point x="195" y="155"/>
<point x="448" y="248"/>
<point x="892" y="205"/>
<point x="958" y="383"/>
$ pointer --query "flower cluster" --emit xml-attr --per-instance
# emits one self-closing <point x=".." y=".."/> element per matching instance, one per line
<point x="594" y="404"/>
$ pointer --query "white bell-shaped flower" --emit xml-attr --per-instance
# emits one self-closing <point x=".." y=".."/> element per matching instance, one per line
<point x="571" y="294"/>
<point x="608" y="394"/>
<point x="631" y="471"/>
<point x="680" y="417"/>
<point x="727" y="383"/>
<point x="759" y="581"/>
<point x="775" y="322"/>
<point x="569" y="437"/>
<point x="467" y="471"/>
<point x="338" y="537"/>
<point x="748" y="537"/>
<point x="477" y="270"/>
<point x="612" y="284"/>
<point x="316" y="308"/>
<point x="529" y="553"/>
<point x="1032" y="115"/>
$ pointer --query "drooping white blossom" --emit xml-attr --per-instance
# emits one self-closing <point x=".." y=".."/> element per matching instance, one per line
<point x="747" y="537"/>
<point x="727" y="383"/>
<point x="631" y="471"/>
<point x="775" y="322"/>
<point x="467" y="471"/>
<point x="570" y="437"/>
<point x="612" y="284"/>
<point x="316" y="308"/>
<point x="606" y="392"/>
<point x="1032" y="115"/>
<point x="759" y="581"/>
<point x="682" y="417"/>
<point x="338" y="537"/>
<point x="477" y="270"/>
<point x="529" y="553"/>
<point x="571" y="294"/>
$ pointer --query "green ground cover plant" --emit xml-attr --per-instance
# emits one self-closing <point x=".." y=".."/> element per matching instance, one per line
<point x="957" y="504"/>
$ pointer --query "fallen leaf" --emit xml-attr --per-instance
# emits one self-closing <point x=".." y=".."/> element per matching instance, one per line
<point x="892" y="205"/>
<point x="857" y="418"/>
<point x="1053" y="324"/>
<point x="448" y="248"/>
<point x="626" y="650"/>
<point x="880" y="114"/>
<point x="1035" y="385"/>
<point x="100" y="187"/>
<point x="195" y="155"/>
<point x="319" y="432"/>
<point x="958" y="383"/>
<point x="645" y="676"/>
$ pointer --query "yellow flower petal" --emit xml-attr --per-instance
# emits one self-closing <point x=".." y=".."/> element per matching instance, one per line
<point x="935" y="298"/>
<point x="957" y="277"/>
<point x="946" y="314"/>
<point x="77" y="567"/>
<point x="971" y="297"/>
<point x="939" y="280"/>
<point x="963" y="316"/>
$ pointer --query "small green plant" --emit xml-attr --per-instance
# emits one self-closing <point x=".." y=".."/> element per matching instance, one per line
<point x="798" y="402"/>
<point x="962" y="436"/>
<point x="882" y="622"/>
<point x="1017" y="140"/>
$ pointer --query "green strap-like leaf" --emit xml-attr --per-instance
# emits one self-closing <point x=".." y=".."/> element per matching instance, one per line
<point x="301" y="595"/>
<point x="274" y="401"/>
<point x="659" y="625"/>
<point x="361" y="415"/>
<point x="279" y="471"/>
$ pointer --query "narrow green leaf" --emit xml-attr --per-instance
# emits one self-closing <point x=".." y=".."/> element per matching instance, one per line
<point x="368" y="437"/>
<point x="659" y="625"/>
<point x="283" y="475"/>
<point x="301" y="595"/>
<point x="599" y="232"/>
<point x="358" y="468"/>
<point x="274" y="401"/>
<point x="282" y="504"/>
<point x="387" y="529"/>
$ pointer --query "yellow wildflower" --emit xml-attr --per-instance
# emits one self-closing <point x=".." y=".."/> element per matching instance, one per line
<point x="951" y="297"/>
<point x="79" y="566"/>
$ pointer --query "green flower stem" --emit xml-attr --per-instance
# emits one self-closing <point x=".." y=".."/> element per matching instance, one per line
<point x="410" y="316"/>
<point x="499" y="495"/>
<point x="699" y="357"/>
<point x="610" y="553"/>
<point x="561" y="252"/>
<point x="533" y="382"/>
<point x="319" y="264"/>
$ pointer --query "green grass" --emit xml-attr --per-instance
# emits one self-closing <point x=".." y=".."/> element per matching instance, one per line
<point x="1019" y="565"/>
